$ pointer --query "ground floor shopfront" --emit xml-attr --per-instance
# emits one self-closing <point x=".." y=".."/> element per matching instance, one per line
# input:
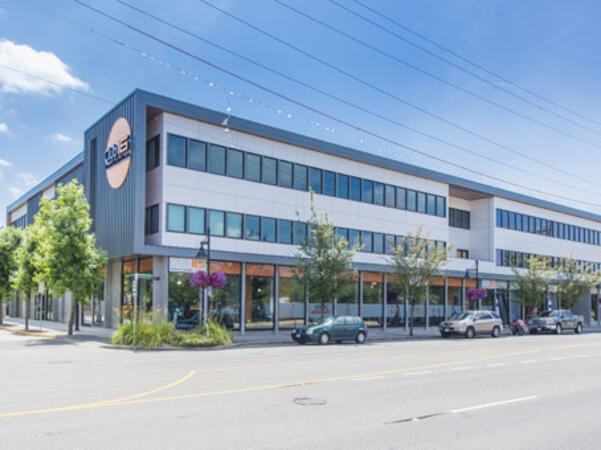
<point x="267" y="297"/>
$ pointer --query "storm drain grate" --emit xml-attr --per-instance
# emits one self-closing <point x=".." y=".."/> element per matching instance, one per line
<point x="308" y="401"/>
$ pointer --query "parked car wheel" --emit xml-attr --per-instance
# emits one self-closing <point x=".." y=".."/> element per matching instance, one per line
<point x="324" y="338"/>
<point x="534" y="331"/>
<point x="578" y="329"/>
<point x="558" y="329"/>
<point x="496" y="332"/>
<point x="445" y="335"/>
<point x="360" y="339"/>
<point x="470" y="332"/>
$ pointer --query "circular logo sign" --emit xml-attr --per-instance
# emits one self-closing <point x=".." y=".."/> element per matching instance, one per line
<point x="117" y="156"/>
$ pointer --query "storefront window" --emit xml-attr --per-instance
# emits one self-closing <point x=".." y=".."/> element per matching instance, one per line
<point x="396" y="312"/>
<point x="372" y="299"/>
<point x="292" y="300"/>
<point x="185" y="302"/>
<point x="436" y="303"/>
<point x="488" y="303"/>
<point x="455" y="293"/>
<point x="348" y="303"/>
<point x="224" y="304"/>
<point x="259" y="296"/>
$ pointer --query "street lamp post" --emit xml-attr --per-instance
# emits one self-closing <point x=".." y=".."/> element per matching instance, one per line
<point x="202" y="253"/>
<point x="467" y="277"/>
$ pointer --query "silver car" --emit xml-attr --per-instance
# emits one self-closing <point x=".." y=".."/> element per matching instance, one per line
<point x="470" y="323"/>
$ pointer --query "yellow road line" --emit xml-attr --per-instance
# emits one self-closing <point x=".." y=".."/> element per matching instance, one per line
<point x="102" y="403"/>
<point x="28" y="333"/>
<point x="132" y="401"/>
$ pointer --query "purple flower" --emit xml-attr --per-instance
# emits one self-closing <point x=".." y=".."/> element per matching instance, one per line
<point x="201" y="279"/>
<point x="475" y="294"/>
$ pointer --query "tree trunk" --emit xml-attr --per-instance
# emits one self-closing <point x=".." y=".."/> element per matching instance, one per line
<point x="27" y="310"/>
<point x="72" y="317"/>
<point x="411" y="319"/>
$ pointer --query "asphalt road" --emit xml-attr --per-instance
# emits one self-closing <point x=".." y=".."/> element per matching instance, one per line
<point x="513" y="392"/>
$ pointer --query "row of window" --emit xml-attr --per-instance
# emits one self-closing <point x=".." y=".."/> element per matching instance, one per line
<point x="510" y="258"/>
<point x="216" y="159"/>
<point x="459" y="218"/>
<point x="521" y="222"/>
<point x="21" y="222"/>
<point x="189" y="219"/>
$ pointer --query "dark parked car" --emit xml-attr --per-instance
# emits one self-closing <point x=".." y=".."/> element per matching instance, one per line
<point x="340" y="328"/>
<point x="556" y="321"/>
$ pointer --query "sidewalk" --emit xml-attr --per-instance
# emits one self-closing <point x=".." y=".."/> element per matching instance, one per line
<point x="57" y="329"/>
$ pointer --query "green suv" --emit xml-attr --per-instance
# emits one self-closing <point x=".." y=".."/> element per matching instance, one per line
<point x="333" y="328"/>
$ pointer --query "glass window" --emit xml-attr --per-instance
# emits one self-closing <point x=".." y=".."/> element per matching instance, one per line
<point x="342" y="233"/>
<point x="259" y="298"/>
<point x="184" y="300"/>
<point x="537" y="225"/>
<point x="389" y="244"/>
<point x="267" y="229"/>
<point x="300" y="233"/>
<point x="411" y="200"/>
<point x="441" y="208"/>
<point x="389" y="199"/>
<point x="378" y="193"/>
<point x="329" y="183"/>
<point x="300" y="177"/>
<point x="252" y="225"/>
<point x="292" y="303"/>
<point x="284" y="231"/>
<point x="252" y="167"/>
<point x="531" y="224"/>
<point x="315" y="179"/>
<point x="431" y="204"/>
<point x="378" y="243"/>
<point x="217" y="223"/>
<point x="401" y="202"/>
<point x="216" y="159"/>
<point x="518" y="222"/>
<point x="372" y="299"/>
<point x="269" y="170"/>
<point x="233" y="225"/>
<point x="152" y="152"/>
<point x="224" y="304"/>
<point x="355" y="189"/>
<point x="176" y="150"/>
<point x="367" y="191"/>
<point x="421" y="202"/>
<point x="367" y="241"/>
<point x="151" y="225"/>
<point x="285" y="174"/>
<point x="498" y="217"/>
<point x="176" y="218"/>
<point x="342" y="186"/>
<point x="234" y="163"/>
<point x="196" y="220"/>
<point x="505" y="219"/>
<point x="354" y="238"/>
<point x="512" y="221"/>
<point x="197" y="156"/>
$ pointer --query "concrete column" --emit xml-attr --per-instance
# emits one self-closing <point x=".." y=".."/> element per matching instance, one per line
<point x="446" y="298"/>
<point x="243" y="299"/>
<point x="112" y="294"/>
<point x="463" y="294"/>
<point x="406" y="310"/>
<point x="385" y="302"/>
<point x="160" y="287"/>
<point x="276" y="299"/>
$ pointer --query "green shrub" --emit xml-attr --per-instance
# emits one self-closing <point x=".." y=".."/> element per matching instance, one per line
<point x="150" y="333"/>
<point x="219" y="333"/>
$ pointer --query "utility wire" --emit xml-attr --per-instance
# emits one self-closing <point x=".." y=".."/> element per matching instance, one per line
<point x="314" y="109"/>
<point x="450" y="83"/>
<point x="62" y="86"/>
<point x="468" y="61"/>
<point x="393" y="96"/>
<point x="346" y="102"/>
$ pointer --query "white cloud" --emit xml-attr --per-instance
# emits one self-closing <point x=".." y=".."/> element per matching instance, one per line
<point x="62" y="137"/>
<point x="38" y="63"/>
<point x="4" y="163"/>
<point x="27" y="179"/>
<point x="3" y="127"/>
<point x="16" y="192"/>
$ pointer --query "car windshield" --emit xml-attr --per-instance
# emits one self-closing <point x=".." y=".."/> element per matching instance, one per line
<point x="464" y="315"/>
<point x="549" y="314"/>
<point x="326" y="321"/>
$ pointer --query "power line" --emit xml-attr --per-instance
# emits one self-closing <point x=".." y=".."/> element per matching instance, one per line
<point x="62" y="86"/>
<point x="314" y="109"/>
<point x="475" y="64"/>
<point x="450" y="83"/>
<point x="346" y="102"/>
<point x="393" y="96"/>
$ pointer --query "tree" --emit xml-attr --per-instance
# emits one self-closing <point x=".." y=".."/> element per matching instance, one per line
<point x="27" y="275"/>
<point x="10" y="239"/>
<point x="70" y="260"/>
<point x="416" y="261"/>
<point x="532" y="283"/>
<point x="574" y="281"/>
<point x="324" y="262"/>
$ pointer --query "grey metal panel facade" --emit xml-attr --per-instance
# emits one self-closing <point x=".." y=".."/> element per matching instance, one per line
<point x="33" y="206"/>
<point x="113" y="210"/>
<point x="75" y="174"/>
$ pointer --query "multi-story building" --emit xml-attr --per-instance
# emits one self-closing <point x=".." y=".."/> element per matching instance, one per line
<point x="160" y="173"/>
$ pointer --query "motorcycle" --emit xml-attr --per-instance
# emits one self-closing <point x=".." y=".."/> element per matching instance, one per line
<point x="518" y="327"/>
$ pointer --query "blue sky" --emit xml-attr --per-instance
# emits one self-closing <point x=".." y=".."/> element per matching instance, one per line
<point x="549" y="47"/>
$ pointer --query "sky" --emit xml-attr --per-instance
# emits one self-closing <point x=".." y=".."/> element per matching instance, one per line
<point x="62" y="66"/>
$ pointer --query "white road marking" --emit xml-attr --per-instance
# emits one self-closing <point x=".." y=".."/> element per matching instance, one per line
<point x="497" y="365"/>
<point x="558" y="358"/>
<point x="582" y="356"/>
<point x="424" y="372"/>
<point x="456" y="369"/>
<point x="368" y="378"/>
<point x="489" y="405"/>
<point x="530" y="361"/>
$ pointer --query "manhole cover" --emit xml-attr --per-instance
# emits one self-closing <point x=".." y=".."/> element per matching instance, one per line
<point x="307" y="401"/>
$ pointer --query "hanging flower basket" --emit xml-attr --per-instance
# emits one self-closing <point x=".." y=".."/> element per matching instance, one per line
<point x="201" y="280"/>
<point x="474" y="294"/>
